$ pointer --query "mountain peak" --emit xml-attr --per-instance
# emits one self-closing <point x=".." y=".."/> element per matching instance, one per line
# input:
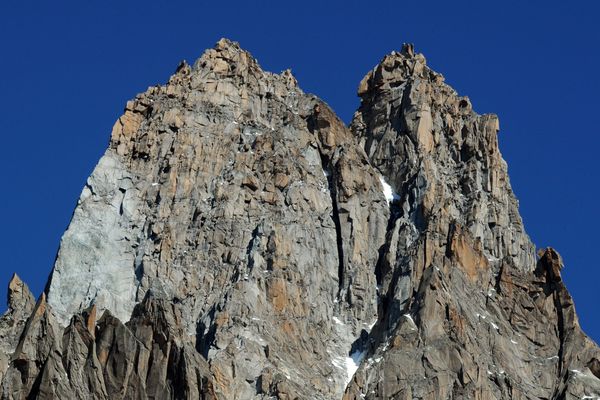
<point x="238" y="241"/>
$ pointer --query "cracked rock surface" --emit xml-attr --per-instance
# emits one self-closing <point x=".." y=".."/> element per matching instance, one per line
<point x="238" y="241"/>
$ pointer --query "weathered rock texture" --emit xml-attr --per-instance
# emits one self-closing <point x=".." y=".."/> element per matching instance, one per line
<point x="238" y="241"/>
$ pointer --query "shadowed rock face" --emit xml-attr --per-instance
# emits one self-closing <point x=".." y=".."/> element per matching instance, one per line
<point x="238" y="241"/>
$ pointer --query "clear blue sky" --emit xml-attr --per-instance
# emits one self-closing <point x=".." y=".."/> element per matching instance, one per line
<point x="68" y="67"/>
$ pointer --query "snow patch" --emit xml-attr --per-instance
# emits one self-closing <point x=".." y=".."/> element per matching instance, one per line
<point x="586" y="374"/>
<point x="411" y="321"/>
<point x="352" y="364"/>
<point x="388" y="192"/>
<point x="349" y="364"/>
<point x="371" y="325"/>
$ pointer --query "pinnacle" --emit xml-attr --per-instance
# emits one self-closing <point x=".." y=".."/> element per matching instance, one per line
<point x="15" y="281"/>
<point x="408" y="49"/>
<point x="19" y="296"/>
<point x="227" y="58"/>
<point x="227" y="44"/>
<point x="396" y="68"/>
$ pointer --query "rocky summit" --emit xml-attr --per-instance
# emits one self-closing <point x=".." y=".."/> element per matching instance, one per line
<point x="238" y="241"/>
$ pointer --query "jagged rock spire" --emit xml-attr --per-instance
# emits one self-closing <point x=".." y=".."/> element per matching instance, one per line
<point x="20" y="298"/>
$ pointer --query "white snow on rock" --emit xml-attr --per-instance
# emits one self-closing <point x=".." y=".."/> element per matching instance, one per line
<point x="352" y="364"/>
<point x="370" y="326"/>
<point x="347" y="363"/>
<point x="586" y="374"/>
<point x="388" y="192"/>
<point x="410" y="319"/>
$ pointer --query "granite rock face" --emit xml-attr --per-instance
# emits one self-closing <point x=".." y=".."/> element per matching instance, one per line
<point x="238" y="241"/>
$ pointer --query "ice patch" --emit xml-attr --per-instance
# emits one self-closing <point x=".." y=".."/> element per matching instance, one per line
<point x="388" y="192"/>
<point x="154" y="183"/>
<point x="337" y="321"/>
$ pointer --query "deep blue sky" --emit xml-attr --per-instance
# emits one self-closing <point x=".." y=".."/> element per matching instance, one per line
<point x="68" y="67"/>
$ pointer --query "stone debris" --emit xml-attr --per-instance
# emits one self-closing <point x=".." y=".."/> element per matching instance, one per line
<point x="238" y="241"/>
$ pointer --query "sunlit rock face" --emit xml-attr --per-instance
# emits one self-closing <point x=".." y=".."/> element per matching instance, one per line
<point x="238" y="241"/>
